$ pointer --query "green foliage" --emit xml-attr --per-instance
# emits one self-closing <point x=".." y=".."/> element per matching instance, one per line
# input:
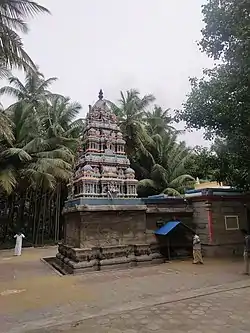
<point x="226" y="33"/>
<point x="220" y="102"/>
<point x="130" y="111"/>
<point x="44" y="138"/>
<point x="166" y="170"/>
<point x="159" y="122"/>
<point x="40" y="133"/>
<point x="33" y="91"/>
<point x="13" y="17"/>
<point x="151" y="144"/>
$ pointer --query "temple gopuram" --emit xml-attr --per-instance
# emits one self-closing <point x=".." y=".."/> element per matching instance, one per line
<point x="103" y="168"/>
<point x="105" y="225"/>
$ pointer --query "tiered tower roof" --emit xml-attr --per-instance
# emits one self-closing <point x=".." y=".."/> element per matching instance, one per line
<point x="103" y="168"/>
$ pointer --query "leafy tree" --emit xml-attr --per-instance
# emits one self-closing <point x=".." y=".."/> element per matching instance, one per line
<point x="159" y="121"/>
<point x="36" y="161"/>
<point x="167" y="168"/>
<point x="5" y="126"/>
<point x="59" y="115"/>
<point x="32" y="158"/>
<point x="130" y="111"/>
<point x="33" y="94"/>
<point x="33" y="91"/>
<point x="202" y="164"/>
<point x="220" y="102"/>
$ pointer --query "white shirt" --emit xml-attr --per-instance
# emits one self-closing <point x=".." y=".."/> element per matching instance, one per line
<point x="19" y="238"/>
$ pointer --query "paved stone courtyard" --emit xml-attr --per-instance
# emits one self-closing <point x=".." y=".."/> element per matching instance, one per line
<point x="173" y="297"/>
<point x="209" y="314"/>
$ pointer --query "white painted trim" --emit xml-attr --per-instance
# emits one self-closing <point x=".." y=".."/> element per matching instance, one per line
<point x="237" y="221"/>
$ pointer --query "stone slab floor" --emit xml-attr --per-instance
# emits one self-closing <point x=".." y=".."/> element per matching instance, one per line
<point x="174" y="297"/>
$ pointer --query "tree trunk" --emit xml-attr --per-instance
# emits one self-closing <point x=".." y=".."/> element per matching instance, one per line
<point x="34" y="217"/>
<point x="39" y="218"/>
<point x="58" y="211"/>
<point x="21" y="207"/>
<point x="44" y="217"/>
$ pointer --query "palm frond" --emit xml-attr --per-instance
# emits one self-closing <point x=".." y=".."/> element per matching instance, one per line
<point x="19" y="153"/>
<point x="59" y="153"/>
<point x="181" y="181"/>
<point x="6" y="128"/>
<point x="8" y="180"/>
<point x="172" y="192"/>
<point x="11" y="91"/>
<point x="12" y="52"/>
<point x="21" y="9"/>
<point x="159" y="175"/>
<point x="4" y="72"/>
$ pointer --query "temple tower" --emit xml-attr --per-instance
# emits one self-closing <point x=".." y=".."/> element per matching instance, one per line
<point x="103" y="168"/>
<point x="104" y="221"/>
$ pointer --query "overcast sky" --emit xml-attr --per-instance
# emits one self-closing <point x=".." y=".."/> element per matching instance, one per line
<point x="118" y="45"/>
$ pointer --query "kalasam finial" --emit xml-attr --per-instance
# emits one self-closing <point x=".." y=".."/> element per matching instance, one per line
<point x="100" y="94"/>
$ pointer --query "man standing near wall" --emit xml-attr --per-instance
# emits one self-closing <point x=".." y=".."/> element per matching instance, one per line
<point x="246" y="250"/>
<point x="197" y="255"/>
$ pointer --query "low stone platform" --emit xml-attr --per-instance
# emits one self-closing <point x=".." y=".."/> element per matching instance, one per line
<point x="80" y="260"/>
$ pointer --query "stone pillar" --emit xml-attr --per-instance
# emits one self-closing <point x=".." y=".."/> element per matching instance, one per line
<point x="208" y="206"/>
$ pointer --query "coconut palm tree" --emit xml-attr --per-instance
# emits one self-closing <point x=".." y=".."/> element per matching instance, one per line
<point x="130" y="111"/>
<point x="159" y="121"/>
<point x="167" y="173"/>
<point x="32" y="91"/>
<point x="13" y="17"/>
<point x="5" y="126"/>
<point x="59" y="118"/>
<point x="36" y="166"/>
<point x="31" y="158"/>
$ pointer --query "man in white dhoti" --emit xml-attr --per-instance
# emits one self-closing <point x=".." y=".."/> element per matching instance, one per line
<point x="246" y="253"/>
<point x="19" y="241"/>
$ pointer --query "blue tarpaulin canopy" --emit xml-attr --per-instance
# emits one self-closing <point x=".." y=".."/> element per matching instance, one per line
<point x="164" y="230"/>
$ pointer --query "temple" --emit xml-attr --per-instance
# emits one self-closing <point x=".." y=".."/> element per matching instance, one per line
<point x="106" y="226"/>
<point x="103" y="168"/>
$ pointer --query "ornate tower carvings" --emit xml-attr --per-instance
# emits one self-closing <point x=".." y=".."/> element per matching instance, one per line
<point x="102" y="168"/>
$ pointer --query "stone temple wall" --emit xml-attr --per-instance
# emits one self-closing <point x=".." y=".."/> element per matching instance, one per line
<point x="220" y="209"/>
<point x="112" y="228"/>
<point x="200" y="219"/>
<point x="99" y="237"/>
<point x="72" y="230"/>
<point x="113" y="236"/>
<point x="224" y="242"/>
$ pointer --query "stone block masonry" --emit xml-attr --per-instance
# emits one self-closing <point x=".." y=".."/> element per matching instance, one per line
<point x="219" y="214"/>
<point x="106" y="225"/>
<point x="77" y="261"/>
